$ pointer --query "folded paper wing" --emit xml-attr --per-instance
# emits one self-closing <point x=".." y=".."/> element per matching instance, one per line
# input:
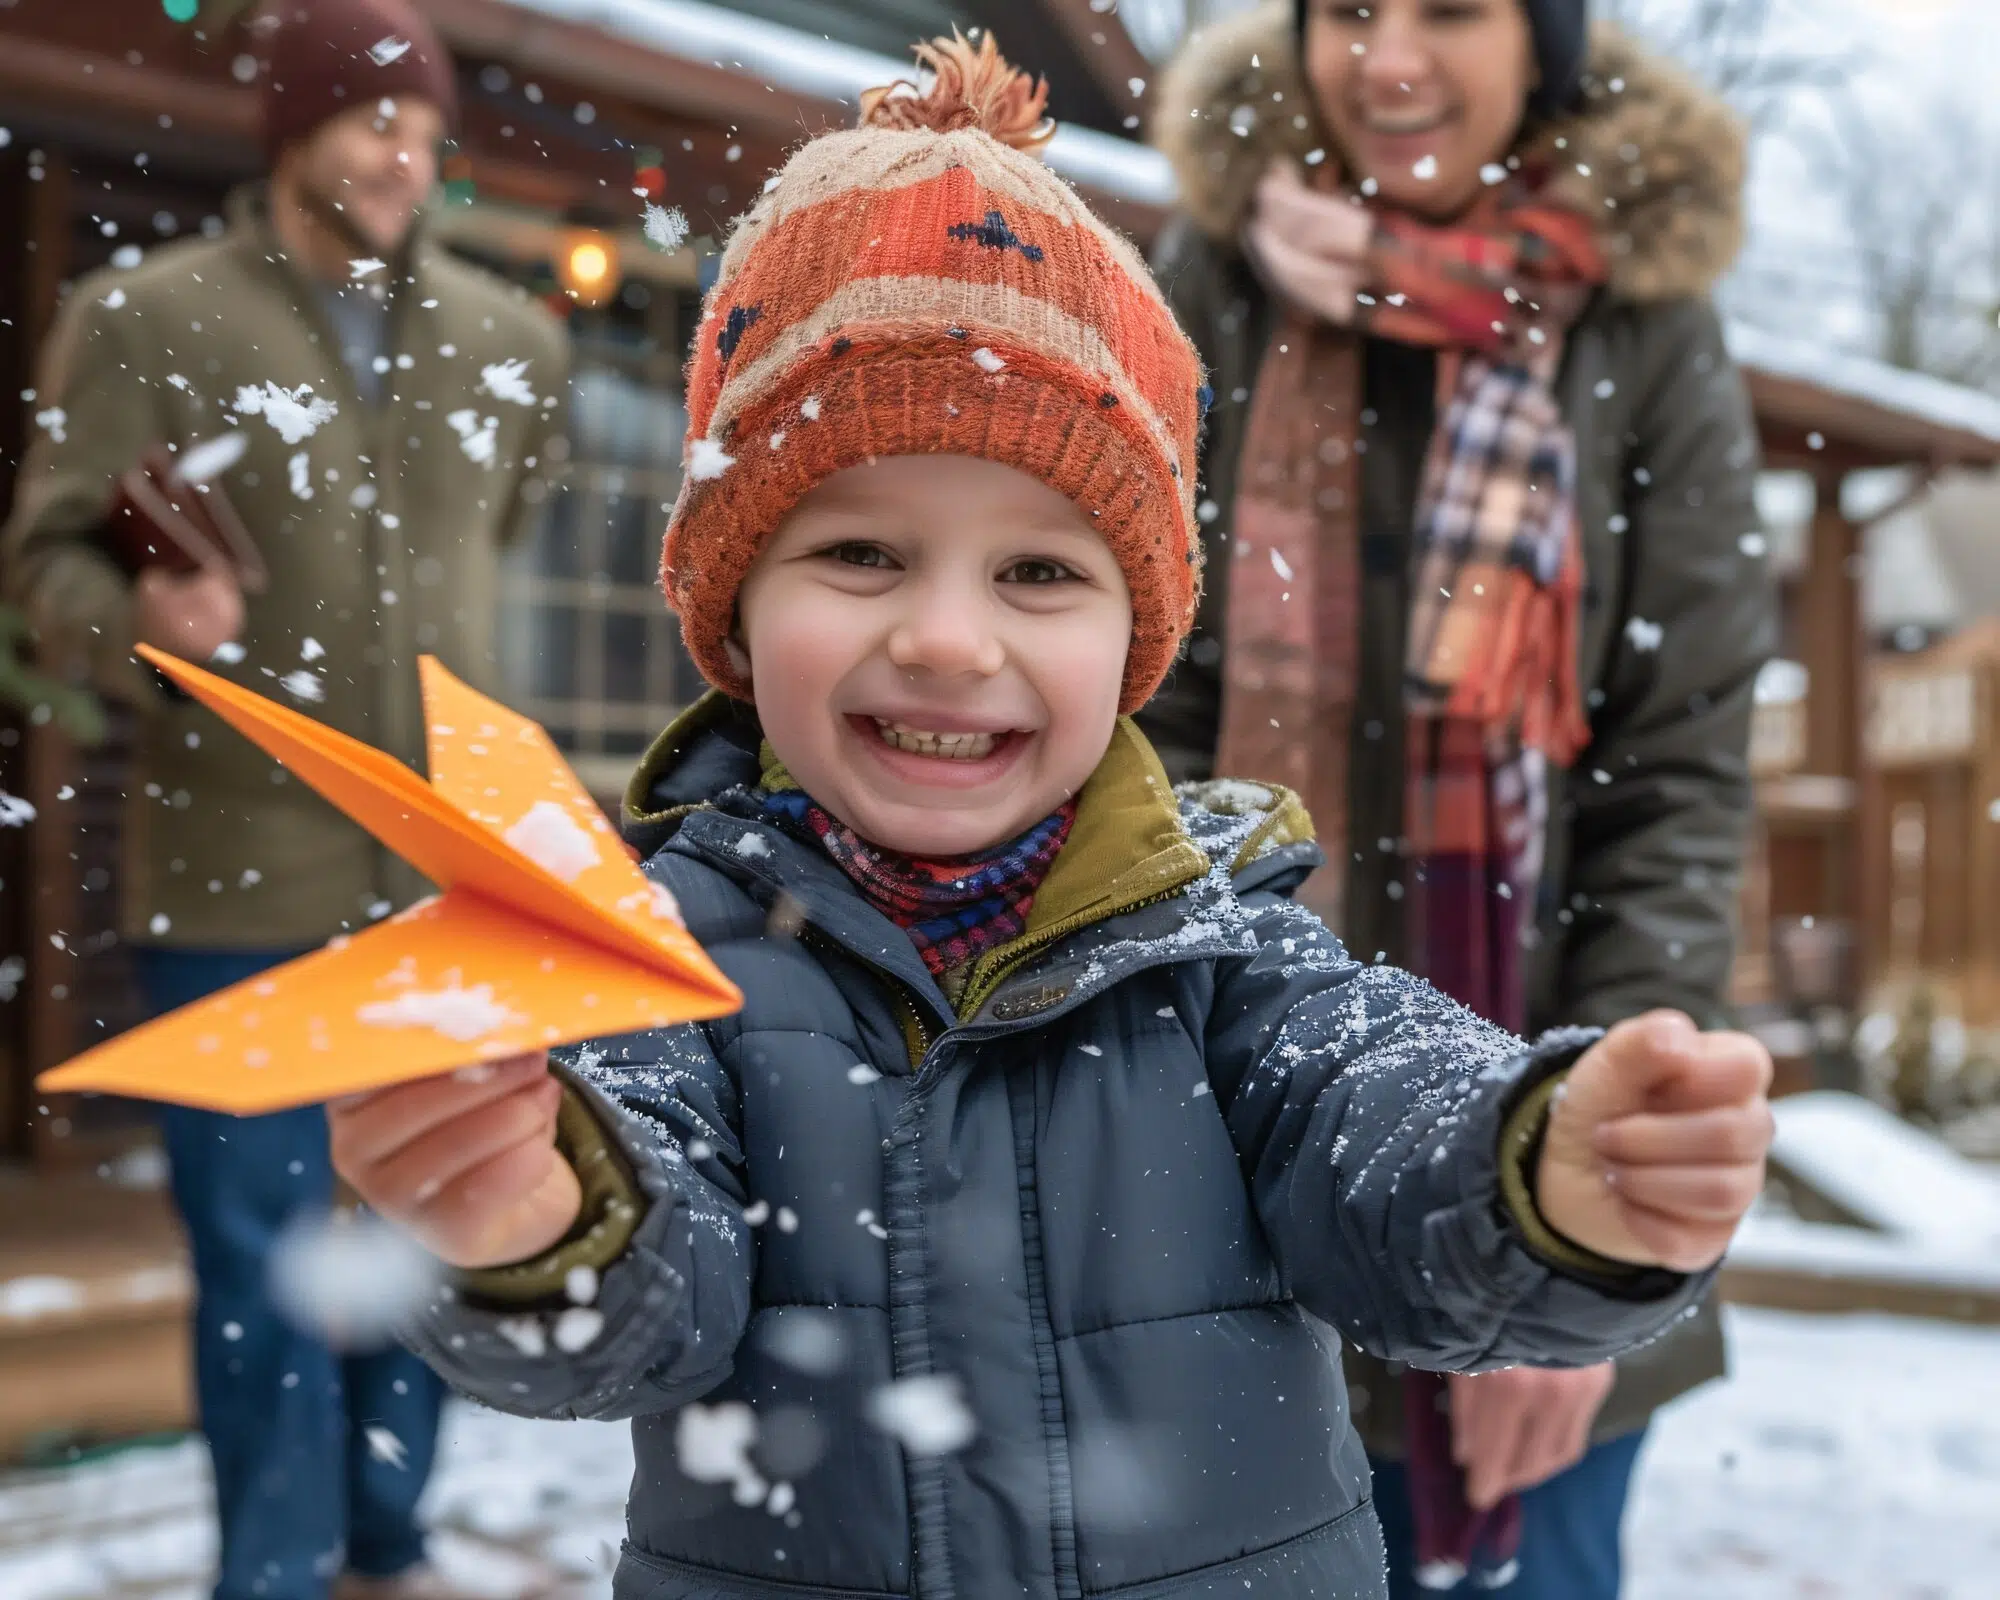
<point x="546" y="931"/>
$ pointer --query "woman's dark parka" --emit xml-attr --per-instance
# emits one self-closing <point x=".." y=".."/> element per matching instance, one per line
<point x="1646" y="832"/>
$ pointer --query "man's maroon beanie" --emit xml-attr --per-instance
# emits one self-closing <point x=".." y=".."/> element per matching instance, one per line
<point x="322" y="56"/>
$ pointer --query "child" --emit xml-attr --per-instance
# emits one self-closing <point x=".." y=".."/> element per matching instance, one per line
<point x="981" y="1254"/>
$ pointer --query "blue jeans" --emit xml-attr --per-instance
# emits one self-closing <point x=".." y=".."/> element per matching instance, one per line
<point x="298" y="1492"/>
<point x="1569" y="1529"/>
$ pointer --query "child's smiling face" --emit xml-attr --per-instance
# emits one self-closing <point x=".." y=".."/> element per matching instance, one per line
<point x="937" y="646"/>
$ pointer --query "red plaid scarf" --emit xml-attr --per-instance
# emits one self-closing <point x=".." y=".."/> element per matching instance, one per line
<point x="1491" y="691"/>
<point x="954" y="911"/>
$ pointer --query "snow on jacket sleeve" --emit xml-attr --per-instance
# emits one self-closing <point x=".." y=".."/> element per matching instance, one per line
<point x="1368" y="1112"/>
<point x="669" y="1311"/>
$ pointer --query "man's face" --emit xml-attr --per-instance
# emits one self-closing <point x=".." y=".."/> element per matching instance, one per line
<point x="371" y="167"/>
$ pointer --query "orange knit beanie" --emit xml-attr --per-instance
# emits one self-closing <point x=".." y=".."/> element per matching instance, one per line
<point x="922" y="285"/>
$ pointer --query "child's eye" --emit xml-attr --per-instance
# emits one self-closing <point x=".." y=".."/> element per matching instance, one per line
<point x="859" y="553"/>
<point x="1036" y="569"/>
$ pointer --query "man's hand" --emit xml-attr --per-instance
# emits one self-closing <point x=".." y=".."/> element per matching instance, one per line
<point x="1655" y="1147"/>
<point x="1514" y="1429"/>
<point x="466" y="1163"/>
<point x="192" y="616"/>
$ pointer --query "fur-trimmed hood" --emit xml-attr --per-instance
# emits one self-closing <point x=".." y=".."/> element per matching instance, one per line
<point x="1659" y="157"/>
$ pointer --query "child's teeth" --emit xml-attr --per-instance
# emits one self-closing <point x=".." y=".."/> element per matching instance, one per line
<point x="945" y="746"/>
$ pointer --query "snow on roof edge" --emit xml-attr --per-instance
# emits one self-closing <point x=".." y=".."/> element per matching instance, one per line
<point x="1914" y="394"/>
<point x="829" y="70"/>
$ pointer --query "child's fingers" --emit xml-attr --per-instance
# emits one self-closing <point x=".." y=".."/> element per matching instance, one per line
<point x="368" y="1134"/>
<point x="1704" y="1070"/>
<point x="417" y="1174"/>
<point x="500" y="1185"/>
<point x="1675" y="1242"/>
<point x="1705" y="1193"/>
<point x="1688" y="1138"/>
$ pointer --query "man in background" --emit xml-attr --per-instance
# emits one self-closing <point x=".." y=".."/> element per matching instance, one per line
<point x="400" y="413"/>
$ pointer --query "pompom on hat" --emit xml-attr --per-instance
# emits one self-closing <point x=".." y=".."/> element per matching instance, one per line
<point x="923" y="284"/>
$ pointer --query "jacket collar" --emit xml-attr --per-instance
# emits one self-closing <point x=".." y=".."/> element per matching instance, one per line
<point x="1130" y="875"/>
<point x="1660" y="158"/>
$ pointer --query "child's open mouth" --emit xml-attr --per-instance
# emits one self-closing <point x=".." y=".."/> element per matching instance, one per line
<point x="945" y="746"/>
<point x="952" y="757"/>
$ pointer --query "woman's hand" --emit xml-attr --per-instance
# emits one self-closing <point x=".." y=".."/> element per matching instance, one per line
<point x="466" y="1163"/>
<point x="1655" y="1148"/>
<point x="1515" y="1429"/>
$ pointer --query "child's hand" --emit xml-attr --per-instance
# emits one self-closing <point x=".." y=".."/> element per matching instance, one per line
<point x="1655" y="1148"/>
<point x="466" y="1163"/>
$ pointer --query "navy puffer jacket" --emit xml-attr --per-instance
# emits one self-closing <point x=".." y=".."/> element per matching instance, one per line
<point x="1096" y="1222"/>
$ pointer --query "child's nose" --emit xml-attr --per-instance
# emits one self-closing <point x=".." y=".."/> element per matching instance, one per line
<point x="948" y="636"/>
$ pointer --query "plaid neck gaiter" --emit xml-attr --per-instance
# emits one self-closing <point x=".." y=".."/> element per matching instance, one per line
<point x="954" y="911"/>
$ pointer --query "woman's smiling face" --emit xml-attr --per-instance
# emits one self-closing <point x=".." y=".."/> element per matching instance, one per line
<point x="1421" y="95"/>
<point x="936" y="646"/>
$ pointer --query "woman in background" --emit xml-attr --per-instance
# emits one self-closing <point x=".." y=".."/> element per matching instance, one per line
<point x="1478" y="500"/>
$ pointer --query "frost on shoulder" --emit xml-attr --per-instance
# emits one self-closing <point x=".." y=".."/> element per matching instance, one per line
<point x="551" y="837"/>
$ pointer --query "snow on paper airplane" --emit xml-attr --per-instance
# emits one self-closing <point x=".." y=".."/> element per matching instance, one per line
<point x="545" y="932"/>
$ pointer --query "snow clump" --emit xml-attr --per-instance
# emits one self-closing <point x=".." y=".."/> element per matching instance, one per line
<point x="551" y="837"/>
<point x="295" y="414"/>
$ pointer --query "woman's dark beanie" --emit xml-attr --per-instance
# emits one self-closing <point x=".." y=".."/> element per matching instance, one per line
<point x="1562" y="40"/>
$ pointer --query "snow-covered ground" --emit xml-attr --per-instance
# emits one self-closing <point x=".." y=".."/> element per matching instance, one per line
<point x="1848" y="1459"/>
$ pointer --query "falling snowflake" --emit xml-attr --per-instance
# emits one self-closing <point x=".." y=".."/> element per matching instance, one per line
<point x="207" y="461"/>
<point x="927" y="1416"/>
<point x="12" y="971"/>
<point x="577" y="1329"/>
<point x="507" y="380"/>
<point x="475" y="437"/>
<point x="712" y="1444"/>
<point x="311" y="650"/>
<point x="456" y="1012"/>
<point x="707" y="460"/>
<point x="300" y="468"/>
<point x="777" y="441"/>
<point x="551" y="837"/>
<point x="365" y="266"/>
<point x="1281" y="566"/>
<point x="987" y="360"/>
<point x="303" y="685"/>
<point x="295" y="414"/>
<point x="861" y="1073"/>
<point x="160" y="924"/>
<point x="809" y="408"/>
<point x="53" y="420"/>
<point x="177" y="381"/>
<point x="229" y="653"/>
<point x="114" y="299"/>
<point x="385" y="1447"/>
<point x="580" y="1285"/>
<point x="1644" y="636"/>
<point x="14" y="811"/>
<point x="1425" y="169"/>
<point x="666" y="227"/>
<point x="351" y="1278"/>
<point x="387" y="49"/>
<point x="526" y="1335"/>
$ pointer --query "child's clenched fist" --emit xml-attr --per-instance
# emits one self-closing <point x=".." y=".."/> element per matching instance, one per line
<point x="1655" y="1148"/>
<point x="467" y="1163"/>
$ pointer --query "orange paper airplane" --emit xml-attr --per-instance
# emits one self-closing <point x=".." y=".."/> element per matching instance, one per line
<point x="546" y="931"/>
